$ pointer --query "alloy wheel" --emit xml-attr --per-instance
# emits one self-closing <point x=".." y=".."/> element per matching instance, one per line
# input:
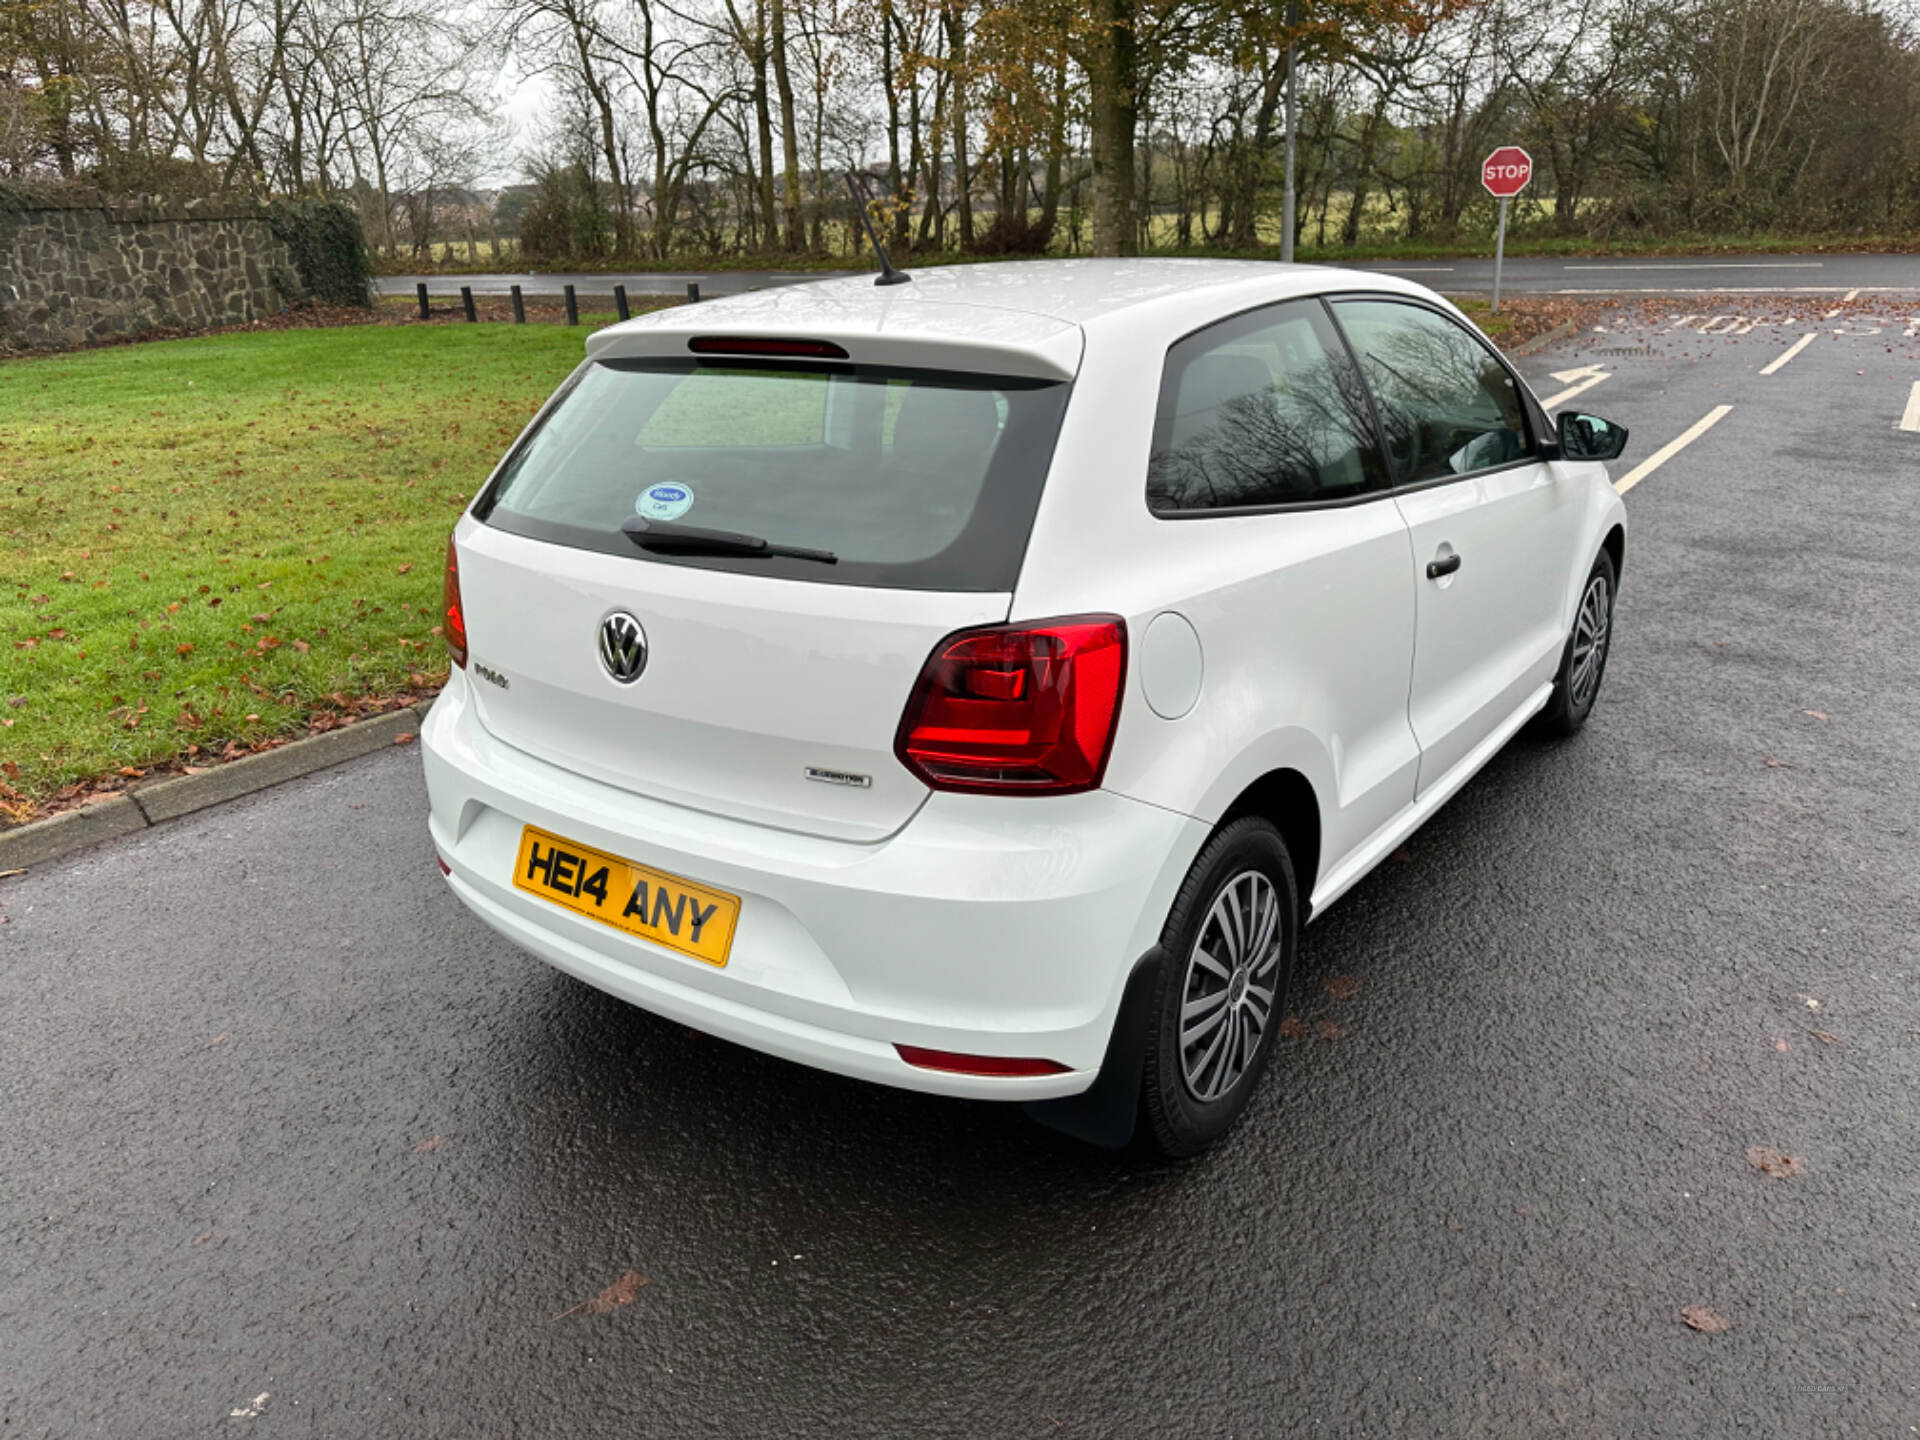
<point x="1228" y="996"/>
<point x="1590" y="631"/>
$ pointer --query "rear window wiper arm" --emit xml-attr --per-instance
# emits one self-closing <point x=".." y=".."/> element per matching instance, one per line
<point x="698" y="540"/>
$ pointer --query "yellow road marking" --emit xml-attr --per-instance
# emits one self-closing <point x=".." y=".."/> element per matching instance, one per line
<point x="1672" y="448"/>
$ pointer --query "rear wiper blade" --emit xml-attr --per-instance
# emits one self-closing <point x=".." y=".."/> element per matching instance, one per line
<point x="698" y="540"/>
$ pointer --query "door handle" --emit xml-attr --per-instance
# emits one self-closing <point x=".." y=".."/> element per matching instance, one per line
<point x="1437" y="568"/>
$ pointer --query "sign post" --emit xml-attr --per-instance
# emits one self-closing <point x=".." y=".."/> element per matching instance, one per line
<point x="1505" y="173"/>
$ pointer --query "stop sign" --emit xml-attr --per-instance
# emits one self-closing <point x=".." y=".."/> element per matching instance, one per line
<point x="1506" y="171"/>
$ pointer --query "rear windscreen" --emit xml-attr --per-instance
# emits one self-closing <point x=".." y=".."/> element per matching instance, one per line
<point x="913" y="479"/>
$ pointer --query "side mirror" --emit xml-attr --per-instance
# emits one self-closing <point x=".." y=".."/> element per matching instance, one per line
<point x="1588" y="437"/>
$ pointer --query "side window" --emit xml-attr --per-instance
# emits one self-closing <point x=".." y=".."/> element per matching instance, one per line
<point x="1262" y="409"/>
<point x="1448" y="407"/>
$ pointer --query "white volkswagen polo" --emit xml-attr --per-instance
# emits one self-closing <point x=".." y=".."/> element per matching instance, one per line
<point x="975" y="684"/>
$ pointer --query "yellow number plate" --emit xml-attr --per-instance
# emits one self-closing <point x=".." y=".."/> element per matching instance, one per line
<point x="693" y="919"/>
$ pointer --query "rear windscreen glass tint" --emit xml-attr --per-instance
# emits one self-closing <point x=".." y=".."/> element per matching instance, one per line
<point x="914" y="479"/>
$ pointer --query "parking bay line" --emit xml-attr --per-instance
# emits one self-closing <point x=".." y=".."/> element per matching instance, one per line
<point x="1792" y="350"/>
<point x="1911" y="419"/>
<point x="1588" y="376"/>
<point x="1673" y="447"/>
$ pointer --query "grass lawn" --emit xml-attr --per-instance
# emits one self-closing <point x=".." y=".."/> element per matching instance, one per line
<point x="221" y="539"/>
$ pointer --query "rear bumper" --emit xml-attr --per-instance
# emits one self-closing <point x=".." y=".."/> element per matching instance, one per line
<point x="984" y="926"/>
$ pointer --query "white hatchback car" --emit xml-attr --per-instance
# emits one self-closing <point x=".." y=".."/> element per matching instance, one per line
<point x="974" y="685"/>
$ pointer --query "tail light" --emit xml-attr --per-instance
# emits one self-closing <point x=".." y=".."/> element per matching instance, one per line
<point x="1017" y="708"/>
<point x="455" y="626"/>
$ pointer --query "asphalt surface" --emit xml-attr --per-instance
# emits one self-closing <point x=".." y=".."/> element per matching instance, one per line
<point x="1650" y="275"/>
<point x="278" y="1119"/>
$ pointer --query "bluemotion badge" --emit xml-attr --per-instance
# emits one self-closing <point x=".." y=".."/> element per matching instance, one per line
<point x="665" y="501"/>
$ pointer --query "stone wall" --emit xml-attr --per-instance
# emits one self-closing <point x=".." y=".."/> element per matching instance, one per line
<point x="76" y="267"/>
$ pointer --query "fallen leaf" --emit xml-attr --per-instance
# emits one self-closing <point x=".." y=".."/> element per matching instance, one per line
<point x="406" y="737"/>
<point x="1291" y="1028"/>
<point x="12" y="769"/>
<point x="1327" y="1030"/>
<point x="1824" y="1038"/>
<point x="1772" y="1162"/>
<point x="1773" y="764"/>
<point x="1343" y="987"/>
<point x="404" y="568"/>
<point x="183" y="649"/>
<point x="1780" y="1044"/>
<point x="621" y="1292"/>
<point x="1707" y="1322"/>
<point x="431" y="1143"/>
<point x="5" y="873"/>
<point x="1816" y="714"/>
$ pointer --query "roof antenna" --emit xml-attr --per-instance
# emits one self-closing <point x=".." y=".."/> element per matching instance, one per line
<point x="888" y="275"/>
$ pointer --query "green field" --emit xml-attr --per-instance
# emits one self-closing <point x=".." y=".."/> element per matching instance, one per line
<point x="220" y="539"/>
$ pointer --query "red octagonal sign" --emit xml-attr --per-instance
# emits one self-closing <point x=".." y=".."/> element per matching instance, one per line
<point x="1506" y="171"/>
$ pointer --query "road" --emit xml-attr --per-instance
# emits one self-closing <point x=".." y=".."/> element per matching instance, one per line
<point x="1735" y="274"/>
<point x="278" y="1119"/>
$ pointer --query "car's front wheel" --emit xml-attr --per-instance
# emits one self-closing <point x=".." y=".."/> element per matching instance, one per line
<point x="1229" y="942"/>
<point x="1583" y="663"/>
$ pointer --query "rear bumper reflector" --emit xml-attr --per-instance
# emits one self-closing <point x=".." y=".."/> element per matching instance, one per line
<point x="956" y="1064"/>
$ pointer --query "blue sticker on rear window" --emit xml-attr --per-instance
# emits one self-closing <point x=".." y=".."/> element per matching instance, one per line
<point x="664" y="502"/>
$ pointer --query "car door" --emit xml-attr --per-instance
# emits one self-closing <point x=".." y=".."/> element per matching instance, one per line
<point x="1488" y="517"/>
<point x="1294" y="556"/>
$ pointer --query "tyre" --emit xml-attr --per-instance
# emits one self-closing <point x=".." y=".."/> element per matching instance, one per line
<point x="1230" y="941"/>
<point x="1583" y="664"/>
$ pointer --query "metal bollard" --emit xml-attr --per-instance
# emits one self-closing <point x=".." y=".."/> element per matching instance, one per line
<point x="466" y="303"/>
<point x="573" y="308"/>
<point x="420" y="290"/>
<point x="620" y="302"/>
<point x="519" y="307"/>
<point x="693" y="292"/>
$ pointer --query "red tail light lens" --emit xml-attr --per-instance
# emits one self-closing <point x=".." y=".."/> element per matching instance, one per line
<point x="454" y="627"/>
<point x="1018" y="708"/>
<point x="955" y="1064"/>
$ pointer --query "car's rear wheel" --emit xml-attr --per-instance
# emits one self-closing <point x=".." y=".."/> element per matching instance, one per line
<point x="1230" y="941"/>
<point x="1583" y="664"/>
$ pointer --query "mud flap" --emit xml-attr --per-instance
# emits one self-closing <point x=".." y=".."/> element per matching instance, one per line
<point x="1104" y="1114"/>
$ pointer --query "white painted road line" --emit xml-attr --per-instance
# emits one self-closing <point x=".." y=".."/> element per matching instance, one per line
<point x="1674" y="446"/>
<point x="1911" y="420"/>
<point x="1717" y="265"/>
<point x="1792" y="350"/>
<point x="1588" y="376"/>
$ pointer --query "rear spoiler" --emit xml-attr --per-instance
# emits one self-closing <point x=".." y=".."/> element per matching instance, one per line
<point x="914" y="334"/>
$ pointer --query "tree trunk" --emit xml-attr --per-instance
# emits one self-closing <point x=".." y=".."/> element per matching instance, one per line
<point x="1056" y="150"/>
<point x="956" y="22"/>
<point x="789" y="127"/>
<point x="1114" y="74"/>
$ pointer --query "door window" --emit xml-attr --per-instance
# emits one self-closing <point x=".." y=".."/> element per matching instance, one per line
<point x="1447" y="405"/>
<point x="1263" y="409"/>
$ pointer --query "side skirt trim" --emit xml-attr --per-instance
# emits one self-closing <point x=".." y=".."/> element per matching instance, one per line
<point x="1370" y="853"/>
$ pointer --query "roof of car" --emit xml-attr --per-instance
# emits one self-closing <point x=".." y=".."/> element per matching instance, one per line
<point x="1021" y="316"/>
<point x="1078" y="290"/>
